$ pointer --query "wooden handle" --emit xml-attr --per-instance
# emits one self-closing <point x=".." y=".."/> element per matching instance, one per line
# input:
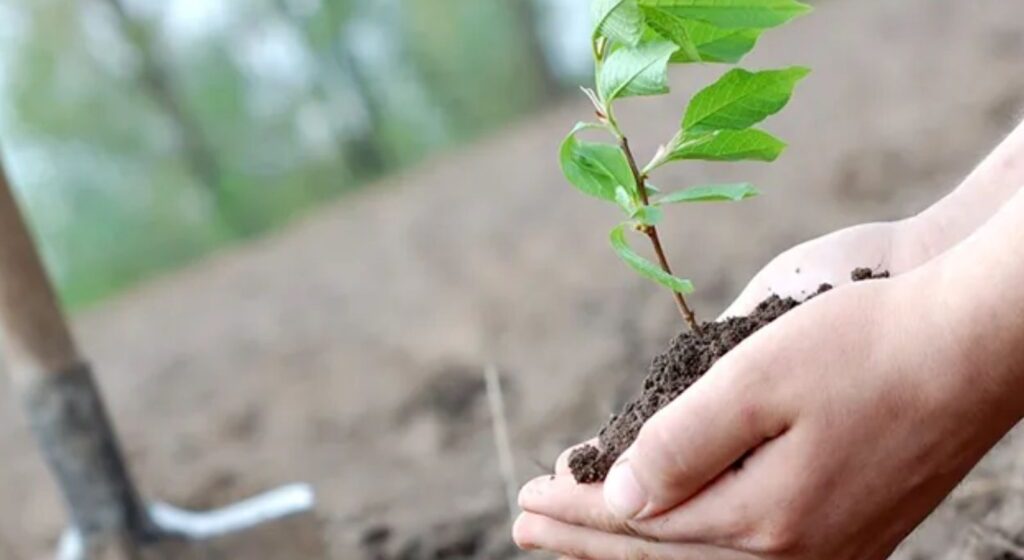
<point x="34" y="336"/>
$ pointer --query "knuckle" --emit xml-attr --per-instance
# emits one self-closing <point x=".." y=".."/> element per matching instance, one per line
<point x="608" y="524"/>
<point x="611" y="525"/>
<point x="756" y="405"/>
<point x="635" y="529"/>
<point x="751" y="413"/>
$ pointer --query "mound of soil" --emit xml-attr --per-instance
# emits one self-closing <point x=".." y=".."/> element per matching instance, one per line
<point x="689" y="356"/>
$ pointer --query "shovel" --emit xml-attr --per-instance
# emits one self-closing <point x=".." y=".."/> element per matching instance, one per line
<point x="109" y="520"/>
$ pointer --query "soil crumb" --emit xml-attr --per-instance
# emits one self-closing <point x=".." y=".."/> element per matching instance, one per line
<point x="867" y="274"/>
<point x="689" y="356"/>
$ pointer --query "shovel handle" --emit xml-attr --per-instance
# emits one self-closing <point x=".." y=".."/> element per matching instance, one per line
<point x="34" y="334"/>
<point x="63" y="403"/>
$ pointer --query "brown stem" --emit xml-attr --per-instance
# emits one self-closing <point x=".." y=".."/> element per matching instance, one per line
<point x="684" y="309"/>
<point x="652" y="234"/>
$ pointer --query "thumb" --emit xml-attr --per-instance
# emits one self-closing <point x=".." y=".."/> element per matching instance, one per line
<point x="696" y="437"/>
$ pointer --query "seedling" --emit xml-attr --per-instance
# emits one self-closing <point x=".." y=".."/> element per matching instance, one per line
<point x="634" y="42"/>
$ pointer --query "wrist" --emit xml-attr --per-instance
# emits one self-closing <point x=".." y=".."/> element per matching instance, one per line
<point x="973" y="329"/>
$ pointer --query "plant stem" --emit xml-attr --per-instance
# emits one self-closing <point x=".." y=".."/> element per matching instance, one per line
<point x="652" y="234"/>
<point x="684" y="309"/>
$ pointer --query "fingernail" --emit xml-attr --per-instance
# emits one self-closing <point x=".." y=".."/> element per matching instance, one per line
<point x="622" y="493"/>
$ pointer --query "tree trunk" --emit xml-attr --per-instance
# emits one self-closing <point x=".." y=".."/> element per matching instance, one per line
<point x="365" y="148"/>
<point x="195" y="147"/>
<point x="363" y="155"/>
<point x="529" y="21"/>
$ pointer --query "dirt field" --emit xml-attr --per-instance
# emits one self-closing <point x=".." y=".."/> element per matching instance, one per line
<point x="347" y="351"/>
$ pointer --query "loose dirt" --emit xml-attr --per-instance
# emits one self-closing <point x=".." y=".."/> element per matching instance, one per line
<point x="689" y="356"/>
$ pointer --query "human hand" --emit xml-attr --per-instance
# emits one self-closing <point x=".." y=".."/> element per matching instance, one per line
<point x="896" y="247"/>
<point x="854" y="415"/>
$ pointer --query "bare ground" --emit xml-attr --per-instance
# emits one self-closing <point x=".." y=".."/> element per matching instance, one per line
<point x="347" y="350"/>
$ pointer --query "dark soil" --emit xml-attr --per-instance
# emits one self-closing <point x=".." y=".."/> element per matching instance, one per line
<point x="689" y="356"/>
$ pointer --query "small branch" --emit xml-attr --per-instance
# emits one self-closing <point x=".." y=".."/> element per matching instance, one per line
<point x="652" y="234"/>
<point x="499" y="423"/>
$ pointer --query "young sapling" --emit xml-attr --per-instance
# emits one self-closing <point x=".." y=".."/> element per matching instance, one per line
<point x="634" y="42"/>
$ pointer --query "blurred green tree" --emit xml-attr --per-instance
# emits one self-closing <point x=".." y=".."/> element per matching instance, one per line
<point x="146" y="134"/>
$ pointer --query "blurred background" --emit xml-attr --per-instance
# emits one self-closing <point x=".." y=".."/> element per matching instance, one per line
<point x="174" y="128"/>
<point x="294" y="233"/>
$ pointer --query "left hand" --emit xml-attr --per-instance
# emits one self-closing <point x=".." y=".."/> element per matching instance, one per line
<point x="857" y="413"/>
<point x="896" y="247"/>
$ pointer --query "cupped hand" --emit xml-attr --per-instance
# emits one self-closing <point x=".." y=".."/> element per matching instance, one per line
<point x="829" y="434"/>
<point x="895" y="247"/>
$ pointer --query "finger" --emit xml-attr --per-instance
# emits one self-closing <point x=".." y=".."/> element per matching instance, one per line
<point x="755" y="292"/>
<point x="536" y="532"/>
<point x="563" y="499"/>
<point x="780" y="278"/>
<point x="562" y="464"/>
<point x="694" y="439"/>
<point x="759" y="287"/>
<point x="718" y="515"/>
<point x="753" y="508"/>
<point x="800" y="271"/>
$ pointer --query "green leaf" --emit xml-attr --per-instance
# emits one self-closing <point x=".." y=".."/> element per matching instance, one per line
<point x="625" y="200"/>
<point x="647" y="215"/>
<point x="729" y="145"/>
<point x="741" y="99"/>
<point x="640" y="70"/>
<point x="595" y="168"/>
<point x="715" y="44"/>
<point x="645" y="267"/>
<point x="618" y="20"/>
<point x="711" y="193"/>
<point x="759" y="14"/>
<point x="674" y="29"/>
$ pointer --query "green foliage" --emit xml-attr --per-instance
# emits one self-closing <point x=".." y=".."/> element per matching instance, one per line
<point x="728" y="145"/>
<point x="639" y="70"/>
<point x="714" y="44"/>
<point x="140" y="146"/>
<point x="648" y="215"/>
<point x="634" y="43"/>
<point x="676" y="30"/>
<point x="646" y="268"/>
<point x="595" y="168"/>
<point x="741" y="99"/>
<point x="732" y="14"/>
<point x="618" y="20"/>
<point x="729" y="192"/>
